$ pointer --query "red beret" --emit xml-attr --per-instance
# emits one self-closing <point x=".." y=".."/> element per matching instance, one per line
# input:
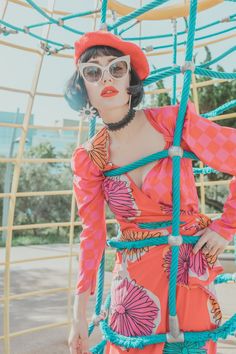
<point x="137" y="57"/>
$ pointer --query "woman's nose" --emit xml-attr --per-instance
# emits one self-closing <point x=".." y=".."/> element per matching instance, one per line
<point x="106" y="76"/>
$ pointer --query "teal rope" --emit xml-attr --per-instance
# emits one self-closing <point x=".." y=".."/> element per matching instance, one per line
<point x="32" y="34"/>
<point x="145" y="160"/>
<point x="204" y="170"/>
<point x="173" y="100"/>
<point x="216" y="74"/>
<point x="148" y="242"/>
<point x="99" y="348"/>
<point x="127" y="28"/>
<point x="221" y="332"/>
<point x="51" y="19"/>
<point x="217" y="59"/>
<point x="198" y="71"/>
<point x="100" y="285"/>
<point x="92" y="127"/>
<point x="167" y="73"/>
<point x="176" y="159"/>
<point x="104" y="11"/>
<point x="197" y="39"/>
<point x="99" y="293"/>
<point x="169" y="35"/>
<point x="155" y="225"/>
<point x="137" y="13"/>
<point x="224" y="278"/>
<point x="175" y="232"/>
<point x="160" y="69"/>
<point x="220" y="109"/>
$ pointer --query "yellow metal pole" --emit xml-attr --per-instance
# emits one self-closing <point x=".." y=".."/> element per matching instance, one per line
<point x="15" y="181"/>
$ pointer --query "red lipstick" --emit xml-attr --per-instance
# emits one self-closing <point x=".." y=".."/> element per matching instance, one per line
<point x="109" y="91"/>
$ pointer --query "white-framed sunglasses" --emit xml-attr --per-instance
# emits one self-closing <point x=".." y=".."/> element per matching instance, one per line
<point x="117" y="68"/>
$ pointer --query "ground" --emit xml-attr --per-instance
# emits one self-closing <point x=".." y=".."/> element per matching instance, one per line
<point x="36" y="311"/>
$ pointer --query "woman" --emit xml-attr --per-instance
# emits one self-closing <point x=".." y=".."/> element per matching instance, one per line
<point x="109" y="77"/>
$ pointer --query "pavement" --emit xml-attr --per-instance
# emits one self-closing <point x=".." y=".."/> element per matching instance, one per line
<point x="39" y="310"/>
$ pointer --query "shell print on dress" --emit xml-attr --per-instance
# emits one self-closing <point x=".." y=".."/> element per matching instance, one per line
<point x="189" y="264"/>
<point x="168" y="210"/>
<point x="133" y="312"/>
<point x="135" y="254"/>
<point x="214" y="311"/>
<point x="201" y="222"/>
<point x="97" y="149"/>
<point x="118" y="195"/>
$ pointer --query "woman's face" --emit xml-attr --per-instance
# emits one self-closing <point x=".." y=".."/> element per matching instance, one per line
<point x="99" y="93"/>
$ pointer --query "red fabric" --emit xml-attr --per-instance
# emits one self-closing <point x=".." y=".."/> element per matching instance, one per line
<point x="140" y="281"/>
<point x="138" y="58"/>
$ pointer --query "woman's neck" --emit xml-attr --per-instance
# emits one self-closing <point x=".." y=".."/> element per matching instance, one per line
<point x="123" y="135"/>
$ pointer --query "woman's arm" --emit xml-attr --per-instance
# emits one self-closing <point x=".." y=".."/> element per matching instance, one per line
<point x="90" y="200"/>
<point x="80" y="305"/>
<point x="215" y="146"/>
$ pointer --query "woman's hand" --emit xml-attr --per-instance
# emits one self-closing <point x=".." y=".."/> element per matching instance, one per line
<point x="78" y="338"/>
<point x="211" y="243"/>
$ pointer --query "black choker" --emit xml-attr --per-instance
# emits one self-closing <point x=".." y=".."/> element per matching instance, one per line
<point x="123" y="122"/>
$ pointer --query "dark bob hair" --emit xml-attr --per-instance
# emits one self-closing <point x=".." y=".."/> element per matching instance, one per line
<point x="75" y="92"/>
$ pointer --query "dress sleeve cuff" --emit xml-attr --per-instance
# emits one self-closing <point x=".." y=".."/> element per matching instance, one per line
<point x="85" y="285"/>
<point x="224" y="231"/>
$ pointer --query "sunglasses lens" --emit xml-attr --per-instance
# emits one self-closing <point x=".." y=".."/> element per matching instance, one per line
<point x="119" y="69"/>
<point x="92" y="73"/>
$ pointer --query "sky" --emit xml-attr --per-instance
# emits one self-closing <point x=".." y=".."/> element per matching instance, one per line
<point x="17" y="67"/>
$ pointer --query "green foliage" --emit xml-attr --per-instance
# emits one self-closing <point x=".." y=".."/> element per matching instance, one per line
<point x="43" y="150"/>
<point x="213" y="96"/>
<point x="43" y="177"/>
<point x="162" y="99"/>
<point x="45" y="209"/>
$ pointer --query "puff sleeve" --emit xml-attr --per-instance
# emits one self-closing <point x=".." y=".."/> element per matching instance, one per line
<point x="215" y="146"/>
<point x="87" y="185"/>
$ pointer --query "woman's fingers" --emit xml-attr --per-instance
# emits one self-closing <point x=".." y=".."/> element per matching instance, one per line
<point x="201" y="242"/>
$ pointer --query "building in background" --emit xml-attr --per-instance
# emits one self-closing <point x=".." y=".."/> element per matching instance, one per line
<point x="10" y="136"/>
<point x="60" y="139"/>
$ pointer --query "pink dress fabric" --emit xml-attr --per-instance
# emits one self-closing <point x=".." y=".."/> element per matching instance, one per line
<point x="139" y="290"/>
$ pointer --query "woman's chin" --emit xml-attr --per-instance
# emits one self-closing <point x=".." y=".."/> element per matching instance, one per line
<point x="110" y="104"/>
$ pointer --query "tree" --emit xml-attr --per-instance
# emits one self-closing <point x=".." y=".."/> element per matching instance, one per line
<point x="213" y="96"/>
<point x="43" y="177"/>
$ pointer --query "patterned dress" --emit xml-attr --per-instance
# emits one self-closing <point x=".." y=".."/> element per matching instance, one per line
<point x="139" y="290"/>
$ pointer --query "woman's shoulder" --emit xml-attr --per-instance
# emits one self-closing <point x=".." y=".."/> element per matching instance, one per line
<point x="163" y="118"/>
<point x="169" y="109"/>
<point x="157" y="110"/>
<point x="92" y="152"/>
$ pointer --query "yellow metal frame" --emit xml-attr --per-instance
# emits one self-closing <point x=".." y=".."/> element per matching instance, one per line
<point x="162" y="13"/>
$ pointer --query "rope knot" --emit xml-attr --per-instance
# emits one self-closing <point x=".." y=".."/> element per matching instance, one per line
<point x="188" y="65"/>
<point x="26" y="29"/>
<point x="226" y="19"/>
<point x="175" y="151"/>
<point x="101" y="317"/>
<point x="103" y="27"/>
<point x="60" y="22"/>
<point x="175" y="240"/>
<point x="149" y="48"/>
